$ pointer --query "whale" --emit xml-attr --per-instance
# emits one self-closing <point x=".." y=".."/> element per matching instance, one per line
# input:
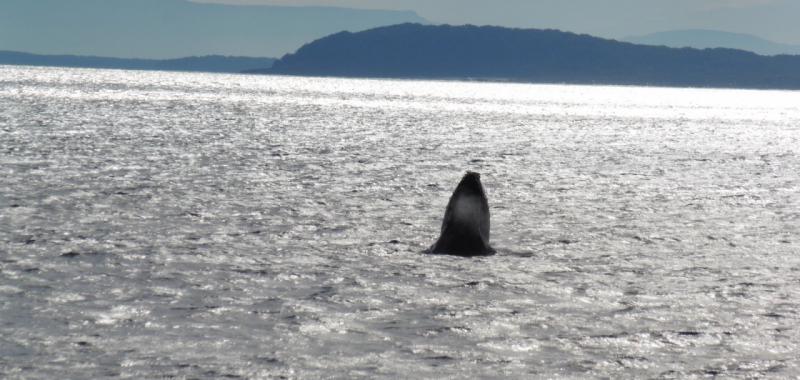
<point x="465" y="227"/>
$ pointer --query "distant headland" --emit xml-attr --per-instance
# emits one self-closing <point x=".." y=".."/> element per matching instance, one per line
<point x="531" y="55"/>
<point x="209" y="63"/>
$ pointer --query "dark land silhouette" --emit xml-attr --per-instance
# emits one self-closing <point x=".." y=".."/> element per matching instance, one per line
<point x="531" y="55"/>
<point x="210" y="63"/>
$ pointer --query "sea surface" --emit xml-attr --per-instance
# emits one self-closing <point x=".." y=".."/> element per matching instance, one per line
<point x="173" y="225"/>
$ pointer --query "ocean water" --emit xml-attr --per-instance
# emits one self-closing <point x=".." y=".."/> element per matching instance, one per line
<point x="230" y="226"/>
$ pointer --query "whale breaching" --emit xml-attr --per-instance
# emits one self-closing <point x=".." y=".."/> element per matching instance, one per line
<point x="465" y="228"/>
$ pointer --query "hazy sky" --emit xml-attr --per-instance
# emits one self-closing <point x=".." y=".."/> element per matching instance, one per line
<point x="776" y="20"/>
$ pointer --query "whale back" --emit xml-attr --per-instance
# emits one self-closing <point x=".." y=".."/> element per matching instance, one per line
<point x="466" y="225"/>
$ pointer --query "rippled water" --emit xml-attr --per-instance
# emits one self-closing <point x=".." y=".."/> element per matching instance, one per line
<point x="209" y="226"/>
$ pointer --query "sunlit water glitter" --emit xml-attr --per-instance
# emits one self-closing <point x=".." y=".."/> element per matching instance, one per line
<point x="197" y="225"/>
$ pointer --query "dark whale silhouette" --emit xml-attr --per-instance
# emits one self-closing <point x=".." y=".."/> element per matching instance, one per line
<point x="465" y="228"/>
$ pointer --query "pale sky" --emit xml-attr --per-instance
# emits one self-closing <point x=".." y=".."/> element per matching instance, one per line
<point x="776" y="20"/>
<point x="177" y="28"/>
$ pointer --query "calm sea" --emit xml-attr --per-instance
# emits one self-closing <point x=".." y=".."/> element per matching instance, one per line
<point x="230" y="226"/>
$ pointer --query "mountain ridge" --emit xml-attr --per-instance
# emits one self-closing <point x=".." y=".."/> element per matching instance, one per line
<point x="530" y="55"/>
<point x="706" y="38"/>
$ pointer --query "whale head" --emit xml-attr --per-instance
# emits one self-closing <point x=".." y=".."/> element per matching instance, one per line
<point x="465" y="227"/>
